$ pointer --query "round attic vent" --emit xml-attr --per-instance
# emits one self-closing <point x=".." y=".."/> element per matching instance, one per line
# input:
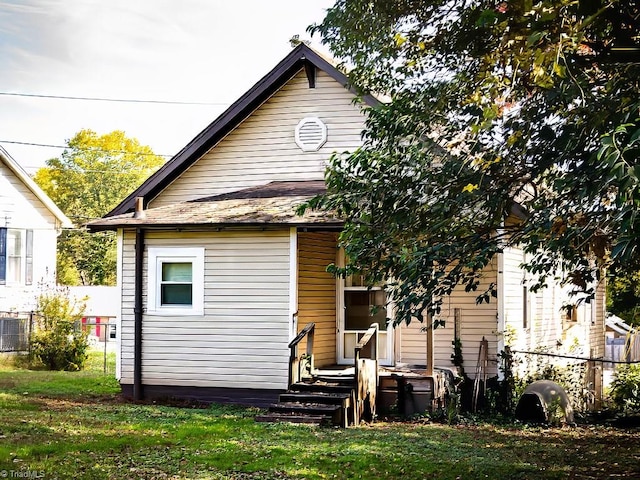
<point x="311" y="134"/>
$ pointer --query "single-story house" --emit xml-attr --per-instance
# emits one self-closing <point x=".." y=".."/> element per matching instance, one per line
<point x="218" y="273"/>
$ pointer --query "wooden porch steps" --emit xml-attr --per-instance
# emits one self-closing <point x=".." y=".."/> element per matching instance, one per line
<point x="341" y="395"/>
<point x="320" y="386"/>
<point x="273" y="417"/>
<point x="328" y="398"/>
<point x="318" y="401"/>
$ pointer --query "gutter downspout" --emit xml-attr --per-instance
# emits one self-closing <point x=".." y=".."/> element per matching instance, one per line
<point x="137" y="323"/>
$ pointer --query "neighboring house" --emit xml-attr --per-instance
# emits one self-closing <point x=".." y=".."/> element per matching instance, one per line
<point x="622" y="340"/>
<point x="102" y="304"/>
<point x="29" y="226"/>
<point x="218" y="273"/>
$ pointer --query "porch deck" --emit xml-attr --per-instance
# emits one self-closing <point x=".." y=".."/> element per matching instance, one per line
<point x="404" y="389"/>
<point x="358" y="391"/>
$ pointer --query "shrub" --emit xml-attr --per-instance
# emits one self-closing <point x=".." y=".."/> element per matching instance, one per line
<point x="58" y="342"/>
<point x="625" y="389"/>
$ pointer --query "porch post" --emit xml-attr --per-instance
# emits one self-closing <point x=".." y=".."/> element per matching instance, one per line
<point x="501" y="308"/>
<point x="430" y="353"/>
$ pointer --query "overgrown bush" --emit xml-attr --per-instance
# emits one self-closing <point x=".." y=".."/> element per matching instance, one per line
<point x="58" y="341"/>
<point x="625" y="389"/>
<point x="573" y="376"/>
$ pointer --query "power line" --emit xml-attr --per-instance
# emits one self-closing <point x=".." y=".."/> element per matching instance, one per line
<point x="102" y="99"/>
<point x="105" y="150"/>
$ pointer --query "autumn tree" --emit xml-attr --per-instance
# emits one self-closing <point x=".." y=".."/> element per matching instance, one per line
<point x="93" y="174"/>
<point x="492" y="111"/>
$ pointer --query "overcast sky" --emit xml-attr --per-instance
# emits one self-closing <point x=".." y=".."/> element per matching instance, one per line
<point x="208" y="51"/>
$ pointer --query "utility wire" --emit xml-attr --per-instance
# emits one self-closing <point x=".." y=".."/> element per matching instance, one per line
<point x="119" y="100"/>
<point x="105" y="150"/>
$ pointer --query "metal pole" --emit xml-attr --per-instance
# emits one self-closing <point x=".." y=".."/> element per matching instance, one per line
<point x="137" y="310"/>
<point x="104" y="368"/>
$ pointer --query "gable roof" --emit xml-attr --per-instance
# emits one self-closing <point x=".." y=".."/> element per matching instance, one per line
<point x="301" y="57"/>
<point x="271" y="204"/>
<point x="618" y="325"/>
<point x="22" y="175"/>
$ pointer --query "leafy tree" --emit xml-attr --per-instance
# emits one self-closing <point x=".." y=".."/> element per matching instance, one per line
<point x="93" y="174"/>
<point x="498" y="111"/>
<point x="623" y="297"/>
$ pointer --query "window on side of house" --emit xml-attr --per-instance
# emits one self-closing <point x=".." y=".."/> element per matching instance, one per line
<point x="176" y="281"/>
<point x="16" y="256"/>
<point x="570" y="313"/>
<point x="28" y="259"/>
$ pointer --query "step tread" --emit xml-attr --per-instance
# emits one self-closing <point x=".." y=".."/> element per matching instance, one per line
<point x="304" y="406"/>
<point x="292" y="418"/>
<point x="321" y="387"/>
<point x="342" y="379"/>
<point x="318" y="397"/>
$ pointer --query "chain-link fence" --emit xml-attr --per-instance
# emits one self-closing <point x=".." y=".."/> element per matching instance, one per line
<point x="16" y="329"/>
<point x="102" y="336"/>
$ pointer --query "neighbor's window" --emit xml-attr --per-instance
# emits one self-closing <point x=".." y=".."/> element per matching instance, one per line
<point x="16" y="256"/>
<point x="176" y="281"/>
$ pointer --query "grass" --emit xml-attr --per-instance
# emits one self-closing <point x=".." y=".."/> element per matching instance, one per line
<point x="74" y="425"/>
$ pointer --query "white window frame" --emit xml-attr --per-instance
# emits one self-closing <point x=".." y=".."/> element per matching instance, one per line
<point x="22" y="274"/>
<point x="19" y="272"/>
<point x="159" y="255"/>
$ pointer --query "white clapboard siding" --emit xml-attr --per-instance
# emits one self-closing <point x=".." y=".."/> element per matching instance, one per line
<point x="547" y="316"/>
<point x="19" y="207"/>
<point x="317" y="293"/>
<point x="476" y="321"/>
<point x="548" y="328"/>
<point x="412" y="340"/>
<point x="263" y="149"/>
<point x="513" y="300"/>
<point x="544" y="324"/>
<point x="241" y="340"/>
<point x="597" y="330"/>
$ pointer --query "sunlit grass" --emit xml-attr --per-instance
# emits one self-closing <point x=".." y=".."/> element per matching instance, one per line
<point x="73" y="425"/>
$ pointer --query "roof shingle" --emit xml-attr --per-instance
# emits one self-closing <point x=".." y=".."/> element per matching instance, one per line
<point x="271" y="204"/>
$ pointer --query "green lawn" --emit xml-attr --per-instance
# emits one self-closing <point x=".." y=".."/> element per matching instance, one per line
<point x="73" y="425"/>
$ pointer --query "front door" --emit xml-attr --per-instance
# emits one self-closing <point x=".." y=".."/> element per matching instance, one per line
<point x="360" y="306"/>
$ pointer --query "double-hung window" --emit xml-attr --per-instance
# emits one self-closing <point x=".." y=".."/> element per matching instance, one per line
<point x="16" y="256"/>
<point x="176" y="281"/>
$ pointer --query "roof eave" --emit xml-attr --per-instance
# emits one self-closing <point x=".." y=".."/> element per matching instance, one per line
<point x="19" y="172"/>
<point x="329" y="225"/>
